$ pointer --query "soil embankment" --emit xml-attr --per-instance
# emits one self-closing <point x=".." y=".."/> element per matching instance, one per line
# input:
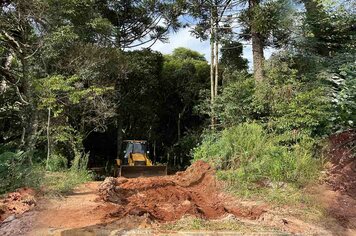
<point x="193" y="192"/>
<point x="340" y="190"/>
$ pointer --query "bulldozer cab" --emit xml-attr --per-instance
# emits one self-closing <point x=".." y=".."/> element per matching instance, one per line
<point x="135" y="147"/>
<point x="136" y="153"/>
<point x="136" y="162"/>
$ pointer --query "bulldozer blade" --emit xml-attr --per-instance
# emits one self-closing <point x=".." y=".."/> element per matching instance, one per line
<point x="142" y="171"/>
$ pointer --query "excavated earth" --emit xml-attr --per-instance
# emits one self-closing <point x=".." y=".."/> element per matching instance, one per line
<point x="341" y="174"/>
<point x="193" y="192"/>
<point x="17" y="203"/>
<point x="341" y="178"/>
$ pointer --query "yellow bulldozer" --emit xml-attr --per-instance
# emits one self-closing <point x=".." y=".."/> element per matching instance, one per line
<point x="136" y="163"/>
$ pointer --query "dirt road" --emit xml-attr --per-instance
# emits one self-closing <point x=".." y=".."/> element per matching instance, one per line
<point x="146" y="205"/>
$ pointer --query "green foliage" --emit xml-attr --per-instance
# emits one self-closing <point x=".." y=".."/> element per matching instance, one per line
<point x="80" y="162"/>
<point x="57" y="162"/>
<point x="231" y="56"/>
<point x="272" y="19"/>
<point x="15" y="171"/>
<point x="184" y="74"/>
<point x="248" y="154"/>
<point x="233" y="106"/>
<point x="290" y="103"/>
<point x="285" y="102"/>
<point x="328" y="27"/>
<point x="62" y="182"/>
<point x="65" y="64"/>
<point x="185" y="53"/>
<point x="342" y="90"/>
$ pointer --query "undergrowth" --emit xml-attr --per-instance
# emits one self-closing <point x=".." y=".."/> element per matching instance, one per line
<point x="62" y="182"/>
<point x="256" y="164"/>
<point x="17" y="172"/>
<point x="249" y="155"/>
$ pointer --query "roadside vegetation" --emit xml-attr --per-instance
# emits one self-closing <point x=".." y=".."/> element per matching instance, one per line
<point x="58" y="180"/>
<point x="270" y="139"/>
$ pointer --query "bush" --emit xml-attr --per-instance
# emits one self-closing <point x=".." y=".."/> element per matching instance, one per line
<point x="289" y="102"/>
<point x="15" y="172"/>
<point x="61" y="182"/>
<point x="246" y="153"/>
<point x="80" y="162"/>
<point x="233" y="106"/>
<point x="57" y="162"/>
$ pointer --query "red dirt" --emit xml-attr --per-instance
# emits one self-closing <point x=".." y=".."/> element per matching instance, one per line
<point x="16" y="203"/>
<point x="341" y="175"/>
<point x="339" y="196"/>
<point x="168" y="198"/>
<point x="78" y="209"/>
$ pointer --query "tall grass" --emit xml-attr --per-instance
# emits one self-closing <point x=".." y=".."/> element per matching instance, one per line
<point x="16" y="172"/>
<point x="246" y="153"/>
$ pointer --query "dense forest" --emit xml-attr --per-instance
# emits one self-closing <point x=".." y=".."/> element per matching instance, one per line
<point x="77" y="77"/>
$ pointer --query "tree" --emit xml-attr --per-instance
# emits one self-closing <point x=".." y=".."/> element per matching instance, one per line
<point x="187" y="54"/>
<point x="120" y="24"/>
<point x="231" y="56"/>
<point x="265" y="23"/>
<point x="331" y="27"/>
<point x="209" y="16"/>
<point x="21" y="26"/>
<point x="185" y="74"/>
<point x="326" y="51"/>
<point x="135" y="23"/>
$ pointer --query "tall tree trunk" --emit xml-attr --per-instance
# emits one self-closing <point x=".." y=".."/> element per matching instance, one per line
<point x="48" y="138"/>
<point x="31" y="113"/>
<point x="32" y="133"/>
<point x="212" y="86"/>
<point x="119" y="136"/>
<point x="119" y="117"/>
<point x="180" y="115"/>
<point x="216" y="61"/>
<point x="154" y="152"/>
<point x="23" y="136"/>
<point x="178" y="126"/>
<point x="257" y="46"/>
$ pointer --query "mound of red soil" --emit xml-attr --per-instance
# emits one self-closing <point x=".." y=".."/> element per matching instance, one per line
<point x="167" y="198"/>
<point x="16" y="203"/>
<point x="341" y="175"/>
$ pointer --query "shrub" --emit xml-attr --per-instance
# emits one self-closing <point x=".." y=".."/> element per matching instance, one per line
<point x="61" y="182"/>
<point x="57" y="162"/>
<point x="246" y="153"/>
<point x="233" y="106"/>
<point x="80" y="162"/>
<point x="15" y="172"/>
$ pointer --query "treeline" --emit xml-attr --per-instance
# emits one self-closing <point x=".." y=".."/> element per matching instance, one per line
<point x="73" y="87"/>
<point x="271" y="128"/>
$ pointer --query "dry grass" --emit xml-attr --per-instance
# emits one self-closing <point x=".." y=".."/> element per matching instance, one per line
<point x="229" y="223"/>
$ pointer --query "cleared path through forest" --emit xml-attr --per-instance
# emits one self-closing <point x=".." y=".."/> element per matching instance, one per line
<point x="120" y="206"/>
